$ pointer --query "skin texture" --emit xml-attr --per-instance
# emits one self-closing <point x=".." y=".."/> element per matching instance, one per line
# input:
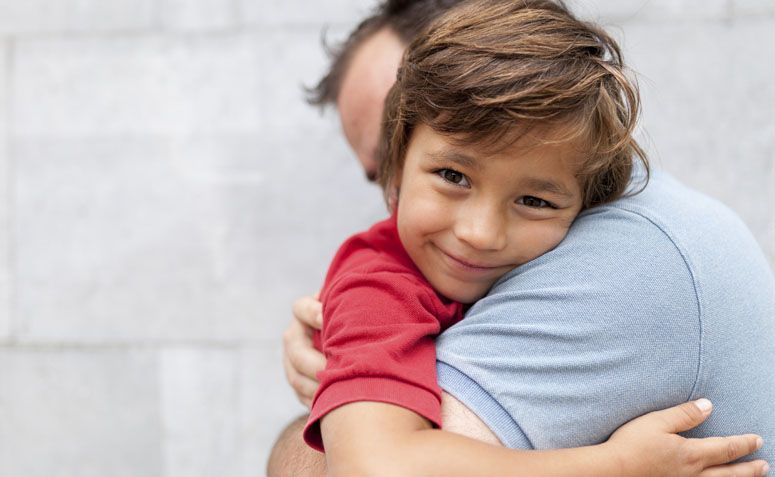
<point x="467" y="215"/>
<point x="370" y="74"/>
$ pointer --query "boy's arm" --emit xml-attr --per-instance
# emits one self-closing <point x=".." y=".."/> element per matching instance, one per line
<point x="378" y="337"/>
<point x="291" y="457"/>
<point x="407" y="445"/>
<point x="378" y="439"/>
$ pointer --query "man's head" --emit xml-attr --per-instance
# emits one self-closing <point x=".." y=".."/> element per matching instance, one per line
<point x="364" y="68"/>
<point x="489" y="72"/>
<point x="364" y="87"/>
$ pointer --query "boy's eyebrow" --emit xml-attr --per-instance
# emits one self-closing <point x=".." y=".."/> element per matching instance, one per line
<point x="456" y="157"/>
<point x="547" y="185"/>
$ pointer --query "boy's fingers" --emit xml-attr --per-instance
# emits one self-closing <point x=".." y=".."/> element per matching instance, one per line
<point x="721" y="450"/>
<point x="755" y="468"/>
<point x="684" y="416"/>
<point x="308" y="311"/>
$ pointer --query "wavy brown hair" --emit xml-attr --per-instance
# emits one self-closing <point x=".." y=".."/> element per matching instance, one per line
<point x="490" y="70"/>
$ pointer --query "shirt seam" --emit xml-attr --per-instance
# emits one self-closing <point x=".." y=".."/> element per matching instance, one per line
<point x="503" y="435"/>
<point x="695" y="287"/>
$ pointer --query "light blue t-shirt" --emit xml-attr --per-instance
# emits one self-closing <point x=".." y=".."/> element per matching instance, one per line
<point x="651" y="301"/>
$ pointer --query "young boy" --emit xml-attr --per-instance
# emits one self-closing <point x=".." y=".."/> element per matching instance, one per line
<point x="507" y="120"/>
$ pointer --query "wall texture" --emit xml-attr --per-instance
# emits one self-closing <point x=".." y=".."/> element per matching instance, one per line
<point x="165" y="194"/>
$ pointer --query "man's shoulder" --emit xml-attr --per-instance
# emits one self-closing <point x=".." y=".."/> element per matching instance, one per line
<point x="665" y="213"/>
<point x="666" y="229"/>
<point x="627" y="268"/>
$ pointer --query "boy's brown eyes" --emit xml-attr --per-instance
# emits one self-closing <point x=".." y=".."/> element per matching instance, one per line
<point x="453" y="176"/>
<point x="459" y="179"/>
<point x="535" y="202"/>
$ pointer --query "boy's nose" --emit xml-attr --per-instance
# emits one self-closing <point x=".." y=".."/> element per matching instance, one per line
<point x="482" y="228"/>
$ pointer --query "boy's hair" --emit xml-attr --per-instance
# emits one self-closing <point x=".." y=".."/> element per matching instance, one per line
<point x="488" y="71"/>
<point x="407" y="18"/>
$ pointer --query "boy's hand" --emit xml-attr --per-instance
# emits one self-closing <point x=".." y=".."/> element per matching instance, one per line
<point x="650" y="446"/>
<point x="300" y="358"/>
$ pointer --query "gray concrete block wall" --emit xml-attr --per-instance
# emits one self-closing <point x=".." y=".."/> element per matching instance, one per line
<point x="166" y="194"/>
<point x="199" y="15"/>
<point x="610" y="12"/>
<point x="78" y="412"/>
<point x="72" y="16"/>
<point x="5" y="196"/>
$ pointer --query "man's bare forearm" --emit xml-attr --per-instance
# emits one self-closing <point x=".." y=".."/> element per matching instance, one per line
<point x="291" y="457"/>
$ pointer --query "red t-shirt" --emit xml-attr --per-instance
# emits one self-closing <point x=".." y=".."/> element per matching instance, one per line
<point x="380" y="321"/>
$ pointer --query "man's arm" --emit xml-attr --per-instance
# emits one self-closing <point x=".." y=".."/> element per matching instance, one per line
<point x="291" y="457"/>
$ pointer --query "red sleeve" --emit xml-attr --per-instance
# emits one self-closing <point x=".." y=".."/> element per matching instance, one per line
<point x="378" y="337"/>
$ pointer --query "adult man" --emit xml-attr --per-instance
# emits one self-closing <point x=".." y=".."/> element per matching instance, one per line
<point x="653" y="300"/>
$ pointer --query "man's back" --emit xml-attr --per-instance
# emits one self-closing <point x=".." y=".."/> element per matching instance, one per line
<point x="653" y="300"/>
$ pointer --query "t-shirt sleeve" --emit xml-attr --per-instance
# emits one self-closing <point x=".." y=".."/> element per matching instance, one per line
<point x="567" y="348"/>
<point x="378" y="338"/>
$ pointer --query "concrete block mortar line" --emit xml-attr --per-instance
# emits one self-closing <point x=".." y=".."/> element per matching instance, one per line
<point x="729" y="11"/>
<point x="233" y="7"/>
<point x="157" y="20"/>
<point x="125" y="34"/>
<point x="158" y="30"/>
<point x="741" y="11"/>
<point x="236" y="9"/>
<point x="10" y="192"/>
<point x="645" y="17"/>
<point x="734" y="16"/>
<point x="138" y="345"/>
<point x="657" y="21"/>
<point x="75" y="33"/>
<point x="295" y="26"/>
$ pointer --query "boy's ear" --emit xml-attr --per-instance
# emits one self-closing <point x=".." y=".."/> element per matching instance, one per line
<point x="393" y="199"/>
<point x="393" y="188"/>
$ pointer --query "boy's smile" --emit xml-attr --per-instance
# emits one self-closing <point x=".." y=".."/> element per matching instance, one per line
<point x="468" y="215"/>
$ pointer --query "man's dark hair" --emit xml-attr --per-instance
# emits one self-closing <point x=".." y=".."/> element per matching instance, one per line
<point x="406" y="18"/>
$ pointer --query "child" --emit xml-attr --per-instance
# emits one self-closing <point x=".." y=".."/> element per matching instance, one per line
<point x="507" y="119"/>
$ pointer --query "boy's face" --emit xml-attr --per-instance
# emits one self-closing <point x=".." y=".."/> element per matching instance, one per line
<point x="467" y="215"/>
